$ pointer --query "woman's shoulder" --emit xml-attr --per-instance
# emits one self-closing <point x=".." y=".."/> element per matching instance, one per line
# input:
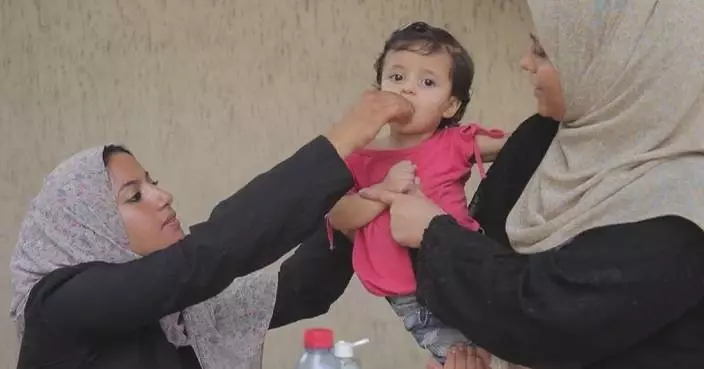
<point x="41" y="342"/>
<point x="536" y="127"/>
<point x="527" y="144"/>
<point x="52" y="281"/>
<point x="44" y="342"/>
<point x="45" y="347"/>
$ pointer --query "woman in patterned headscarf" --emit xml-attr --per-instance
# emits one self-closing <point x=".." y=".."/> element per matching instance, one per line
<point x="104" y="277"/>
<point x="595" y="249"/>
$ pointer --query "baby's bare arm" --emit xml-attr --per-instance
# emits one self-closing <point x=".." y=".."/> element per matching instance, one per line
<point x="353" y="212"/>
<point x="489" y="147"/>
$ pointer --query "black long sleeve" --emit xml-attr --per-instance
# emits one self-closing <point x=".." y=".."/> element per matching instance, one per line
<point x="312" y="279"/>
<point x="606" y="290"/>
<point x="251" y="229"/>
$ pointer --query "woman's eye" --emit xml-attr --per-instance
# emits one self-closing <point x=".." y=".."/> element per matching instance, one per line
<point x="136" y="197"/>
<point x="539" y="52"/>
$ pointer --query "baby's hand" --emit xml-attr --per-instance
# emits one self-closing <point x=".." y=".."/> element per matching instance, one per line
<point x="401" y="177"/>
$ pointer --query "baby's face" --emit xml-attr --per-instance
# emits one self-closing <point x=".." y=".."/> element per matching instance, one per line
<point x="426" y="81"/>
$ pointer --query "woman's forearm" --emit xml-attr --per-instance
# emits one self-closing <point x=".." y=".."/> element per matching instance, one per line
<point x="312" y="279"/>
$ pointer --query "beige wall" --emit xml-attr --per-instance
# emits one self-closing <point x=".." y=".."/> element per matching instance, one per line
<point x="209" y="93"/>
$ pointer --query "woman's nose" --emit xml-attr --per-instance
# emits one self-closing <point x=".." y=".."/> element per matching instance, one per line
<point x="527" y="63"/>
<point x="163" y="198"/>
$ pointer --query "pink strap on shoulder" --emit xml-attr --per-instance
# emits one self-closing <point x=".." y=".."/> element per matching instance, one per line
<point x="470" y="132"/>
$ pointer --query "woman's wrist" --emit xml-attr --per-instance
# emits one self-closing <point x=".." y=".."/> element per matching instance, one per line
<point x="342" y="144"/>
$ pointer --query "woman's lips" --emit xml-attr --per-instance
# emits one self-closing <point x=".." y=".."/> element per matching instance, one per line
<point x="172" y="222"/>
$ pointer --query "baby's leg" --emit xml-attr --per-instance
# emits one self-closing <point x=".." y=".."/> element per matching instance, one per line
<point x="428" y="331"/>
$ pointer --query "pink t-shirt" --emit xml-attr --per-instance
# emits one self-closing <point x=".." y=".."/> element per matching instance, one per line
<point x="443" y="164"/>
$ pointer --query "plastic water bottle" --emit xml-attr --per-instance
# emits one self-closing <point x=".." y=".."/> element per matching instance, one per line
<point x="318" y="350"/>
<point x="344" y="353"/>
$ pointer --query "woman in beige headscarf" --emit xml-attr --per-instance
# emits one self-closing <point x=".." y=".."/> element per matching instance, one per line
<point x="594" y="208"/>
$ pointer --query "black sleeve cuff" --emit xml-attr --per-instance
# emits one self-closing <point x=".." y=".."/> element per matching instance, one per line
<point x="321" y="154"/>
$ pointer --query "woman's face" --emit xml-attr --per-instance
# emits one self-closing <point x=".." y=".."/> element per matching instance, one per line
<point x="150" y="222"/>
<point x="546" y="80"/>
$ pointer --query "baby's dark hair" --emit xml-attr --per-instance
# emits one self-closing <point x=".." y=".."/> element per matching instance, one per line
<point x="111" y="150"/>
<point x="424" y="39"/>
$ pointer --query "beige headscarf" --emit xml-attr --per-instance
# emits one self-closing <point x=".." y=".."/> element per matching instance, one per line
<point x="631" y="146"/>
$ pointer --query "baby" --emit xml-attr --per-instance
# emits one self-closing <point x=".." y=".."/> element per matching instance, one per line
<point x="434" y="72"/>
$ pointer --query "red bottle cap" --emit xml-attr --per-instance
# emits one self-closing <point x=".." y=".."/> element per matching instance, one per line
<point x="318" y="338"/>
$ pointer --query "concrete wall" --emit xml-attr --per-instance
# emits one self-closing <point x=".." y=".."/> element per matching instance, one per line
<point x="210" y="92"/>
